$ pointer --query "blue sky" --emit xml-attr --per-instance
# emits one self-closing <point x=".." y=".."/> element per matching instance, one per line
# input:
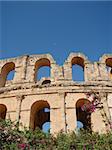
<point x="56" y="27"/>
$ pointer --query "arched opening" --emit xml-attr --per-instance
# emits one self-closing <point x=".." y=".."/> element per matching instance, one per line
<point x="7" y="73"/>
<point x="3" y="110"/>
<point x="77" y="73"/>
<point x="83" y="117"/>
<point x="40" y="114"/>
<point x="42" y="69"/>
<point x="109" y="67"/>
<point x="77" y="69"/>
<point x="11" y="75"/>
<point x="46" y="82"/>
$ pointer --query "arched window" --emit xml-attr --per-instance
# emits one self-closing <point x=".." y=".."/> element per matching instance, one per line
<point x="3" y="110"/>
<point x="42" y="69"/>
<point x="11" y="75"/>
<point x="83" y="117"/>
<point x="77" y="69"/>
<point x="7" y="73"/>
<point x="109" y="67"/>
<point x="77" y="73"/>
<point x="40" y="114"/>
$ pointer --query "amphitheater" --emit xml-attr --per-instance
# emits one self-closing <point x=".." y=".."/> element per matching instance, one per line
<point x="56" y="99"/>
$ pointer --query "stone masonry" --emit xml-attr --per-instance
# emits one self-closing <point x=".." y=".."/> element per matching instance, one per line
<point x="25" y="98"/>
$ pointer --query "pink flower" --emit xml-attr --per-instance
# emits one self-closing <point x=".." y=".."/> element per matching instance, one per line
<point x="89" y="107"/>
<point x="23" y="146"/>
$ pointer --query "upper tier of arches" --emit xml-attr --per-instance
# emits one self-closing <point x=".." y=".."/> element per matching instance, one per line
<point x="44" y="69"/>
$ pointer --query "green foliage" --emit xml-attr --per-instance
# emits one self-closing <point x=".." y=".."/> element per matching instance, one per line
<point x="11" y="138"/>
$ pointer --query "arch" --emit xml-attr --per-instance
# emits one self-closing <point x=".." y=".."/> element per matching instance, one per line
<point x="104" y="57"/>
<point x="3" y="110"/>
<point x="78" y="60"/>
<point x="43" y="62"/>
<point x="77" y="68"/>
<point x="108" y="62"/>
<point x="6" y="69"/>
<point x="79" y="57"/>
<point x="39" y="114"/>
<point x="83" y="116"/>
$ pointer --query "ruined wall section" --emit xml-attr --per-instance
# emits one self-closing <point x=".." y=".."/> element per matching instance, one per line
<point x="18" y="64"/>
<point x="26" y="68"/>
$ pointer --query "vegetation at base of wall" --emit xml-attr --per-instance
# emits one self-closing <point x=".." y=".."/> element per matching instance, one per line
<point x="11" y="138"/>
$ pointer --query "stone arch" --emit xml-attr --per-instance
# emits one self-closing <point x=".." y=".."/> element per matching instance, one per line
<point x="106" y="61"/>
<point x="38" y="115"/>
<point x="78" y="60"/>
<point x="104" y="57"/>
<point x="79" y="57"/>
<point x="109" y="66"/>
<point x="43" y="62"/>
<point x="83" y="116"/>
<point x="75" y="63"/>
<point x="8" y="67"/>
<point x="3" y="110"/>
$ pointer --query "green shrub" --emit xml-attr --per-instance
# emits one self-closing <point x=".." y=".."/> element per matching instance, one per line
<point x="11" y="138"/>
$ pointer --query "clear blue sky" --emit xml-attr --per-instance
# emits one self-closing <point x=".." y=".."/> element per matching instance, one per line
<point x="56" y="27"/>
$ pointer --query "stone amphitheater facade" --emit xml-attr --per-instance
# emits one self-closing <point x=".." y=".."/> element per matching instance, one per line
<point x="25" y="98"/>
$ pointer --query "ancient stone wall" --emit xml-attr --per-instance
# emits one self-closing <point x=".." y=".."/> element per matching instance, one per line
<point x="25" y="98"/>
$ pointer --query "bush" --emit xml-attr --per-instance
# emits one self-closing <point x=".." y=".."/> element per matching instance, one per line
<point x="11" y="138"/>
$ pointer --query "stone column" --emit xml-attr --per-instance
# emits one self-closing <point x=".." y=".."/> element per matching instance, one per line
<point x="30" y="73"/>
<point x="109" y="104"/>
<point x="67" y="70"/>
<point x="71" y="118"/>
<point x="103" y="71"/>
<point x="100" y="117"/>
<point x="63" y="111"/>
<point x="20" y="69"/>
<point x="58" y="115"/>
<point x="18" y="109"/>
<point x="88" y="72"/>
<point x="96" y="71"/>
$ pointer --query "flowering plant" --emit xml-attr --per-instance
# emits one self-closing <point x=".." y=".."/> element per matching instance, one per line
<point x="24" y="146"/>
<point x="94" y="102"/>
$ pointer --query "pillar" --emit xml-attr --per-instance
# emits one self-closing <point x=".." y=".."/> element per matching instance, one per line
<point x="18" y="109"/>
<point x="71" y="118"/>
<point x="58" y="115"/>
<point x="100" y="117"/>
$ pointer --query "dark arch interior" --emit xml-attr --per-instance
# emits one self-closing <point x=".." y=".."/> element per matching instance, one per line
<point x="83" y="116"/>
<point x="109" y="66"/>
<point x="3" y="111"/>
<point x="40" y="114"/>
<point x="46" y="82"/>
<point x="78" y="60"/>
